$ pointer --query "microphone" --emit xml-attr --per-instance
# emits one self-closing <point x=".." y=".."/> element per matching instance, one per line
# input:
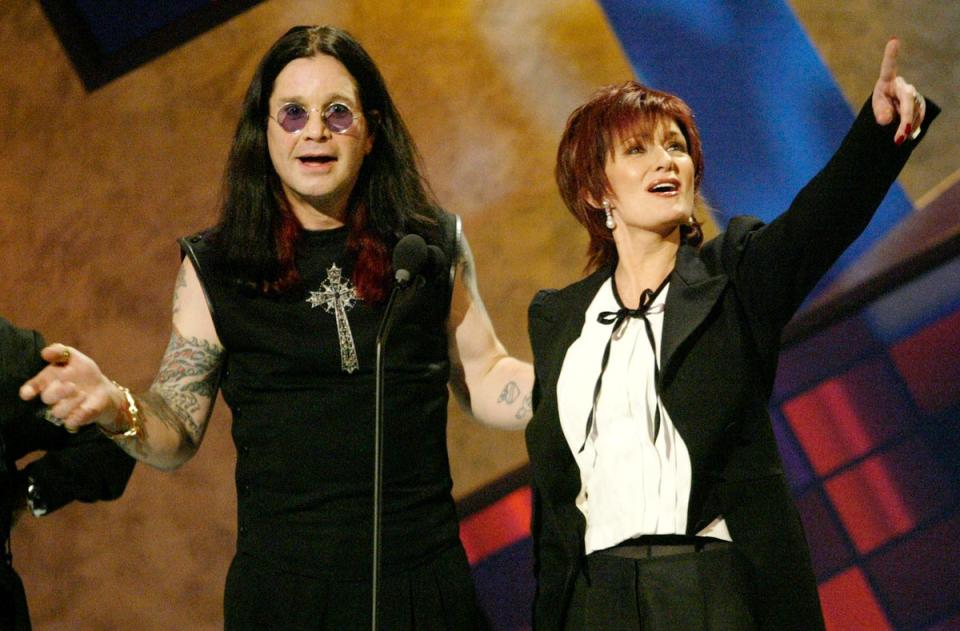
<point x="409" y="256"/>
<point x="436" y="260"/>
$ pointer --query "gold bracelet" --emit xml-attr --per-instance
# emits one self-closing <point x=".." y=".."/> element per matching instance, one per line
<point x="131" y="413"/>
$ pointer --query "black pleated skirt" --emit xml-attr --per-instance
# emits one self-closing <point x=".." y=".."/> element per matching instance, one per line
<point x="437" y="595"/>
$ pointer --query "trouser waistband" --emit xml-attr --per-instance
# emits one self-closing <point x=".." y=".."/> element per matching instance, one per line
<point x="640" y="549"/>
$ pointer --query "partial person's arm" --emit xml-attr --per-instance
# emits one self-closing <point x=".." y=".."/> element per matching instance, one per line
<point x="19" y="358"/>
<point x="83" y="467"/>
<point x="495" y="388"/>
<point x="173" y="414"/>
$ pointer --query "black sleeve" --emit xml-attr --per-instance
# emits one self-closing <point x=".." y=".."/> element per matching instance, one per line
<point x="534" y="313"/>
<point x="19" y="360"/>
<point x="780" y="263"/>
<point x="89" y="467"/>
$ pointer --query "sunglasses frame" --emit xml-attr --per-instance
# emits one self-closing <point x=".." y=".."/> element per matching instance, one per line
<point x="324" y="115"/>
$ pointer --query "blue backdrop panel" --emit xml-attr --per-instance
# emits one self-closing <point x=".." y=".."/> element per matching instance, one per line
<point x="769" y="112"/>
<point x="116" y="24"/>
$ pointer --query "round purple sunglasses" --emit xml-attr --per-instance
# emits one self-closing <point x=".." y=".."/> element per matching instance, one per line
<point x="293" y="117"/>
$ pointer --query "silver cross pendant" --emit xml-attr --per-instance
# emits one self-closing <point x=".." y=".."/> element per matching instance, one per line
<point x="336" y="295"/>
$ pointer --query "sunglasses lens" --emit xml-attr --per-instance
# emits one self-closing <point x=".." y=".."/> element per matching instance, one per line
<point x="338" y="118"/>
<point x="292" y="118"/>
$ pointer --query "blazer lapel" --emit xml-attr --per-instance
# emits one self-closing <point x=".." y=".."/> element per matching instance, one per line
<point x="692" y="295"/>
<point x="557" y="328"/>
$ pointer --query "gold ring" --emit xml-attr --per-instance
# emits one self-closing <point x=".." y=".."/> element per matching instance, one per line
<point x="63" y="358"/>
<point x="72" y="430"/>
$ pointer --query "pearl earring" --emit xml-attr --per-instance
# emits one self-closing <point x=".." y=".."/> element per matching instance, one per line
<point x="611" y="224"/>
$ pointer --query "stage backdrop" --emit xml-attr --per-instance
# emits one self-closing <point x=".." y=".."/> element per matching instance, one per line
<point x="97" y="184"/>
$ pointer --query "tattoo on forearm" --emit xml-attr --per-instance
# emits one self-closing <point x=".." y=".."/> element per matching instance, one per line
<point x="186" y="382"/>
<point x="526" y="408"/>
<point x="186" y="358"/>
<point x="509" y="393"/>
<point x="157" y="405"/>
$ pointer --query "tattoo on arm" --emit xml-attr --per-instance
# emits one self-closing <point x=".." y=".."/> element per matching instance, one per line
<point x="467" y="267"/>
<point x="179" y="285"/>
<point x="526" y="408"/>
<point x="509" y="393"/>
<point x="155" y="404"/>
<point x="186" y="382"/>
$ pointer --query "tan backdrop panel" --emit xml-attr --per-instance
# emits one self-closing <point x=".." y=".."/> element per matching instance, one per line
<point x="96" y="187"/>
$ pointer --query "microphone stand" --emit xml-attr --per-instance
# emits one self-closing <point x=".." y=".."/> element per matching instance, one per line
<point x="409" y="255"/>
<point x="382" y="334"/>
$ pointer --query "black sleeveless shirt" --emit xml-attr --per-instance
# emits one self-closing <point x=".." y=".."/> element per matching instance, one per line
<point x="303" y="407"/>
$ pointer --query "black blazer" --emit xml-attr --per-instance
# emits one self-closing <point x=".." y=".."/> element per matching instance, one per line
<point x="725" y="309"/>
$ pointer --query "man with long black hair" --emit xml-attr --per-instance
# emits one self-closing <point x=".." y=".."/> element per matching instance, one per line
<point x="278" y="305"/>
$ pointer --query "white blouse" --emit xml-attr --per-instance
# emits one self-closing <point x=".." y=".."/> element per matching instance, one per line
<point x="631" y="485"/>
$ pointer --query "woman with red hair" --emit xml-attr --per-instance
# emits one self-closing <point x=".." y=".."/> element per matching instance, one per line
<point x="659" y="496"/>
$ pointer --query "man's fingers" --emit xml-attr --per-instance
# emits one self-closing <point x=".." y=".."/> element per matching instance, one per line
<point x="59" y="357"/>
<point x="63" y="408"/>
<point x="35" y="385"/>
<point x="79" y="415"/>
<point x="57" y="354"/>
<point x="57" y="391"/>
